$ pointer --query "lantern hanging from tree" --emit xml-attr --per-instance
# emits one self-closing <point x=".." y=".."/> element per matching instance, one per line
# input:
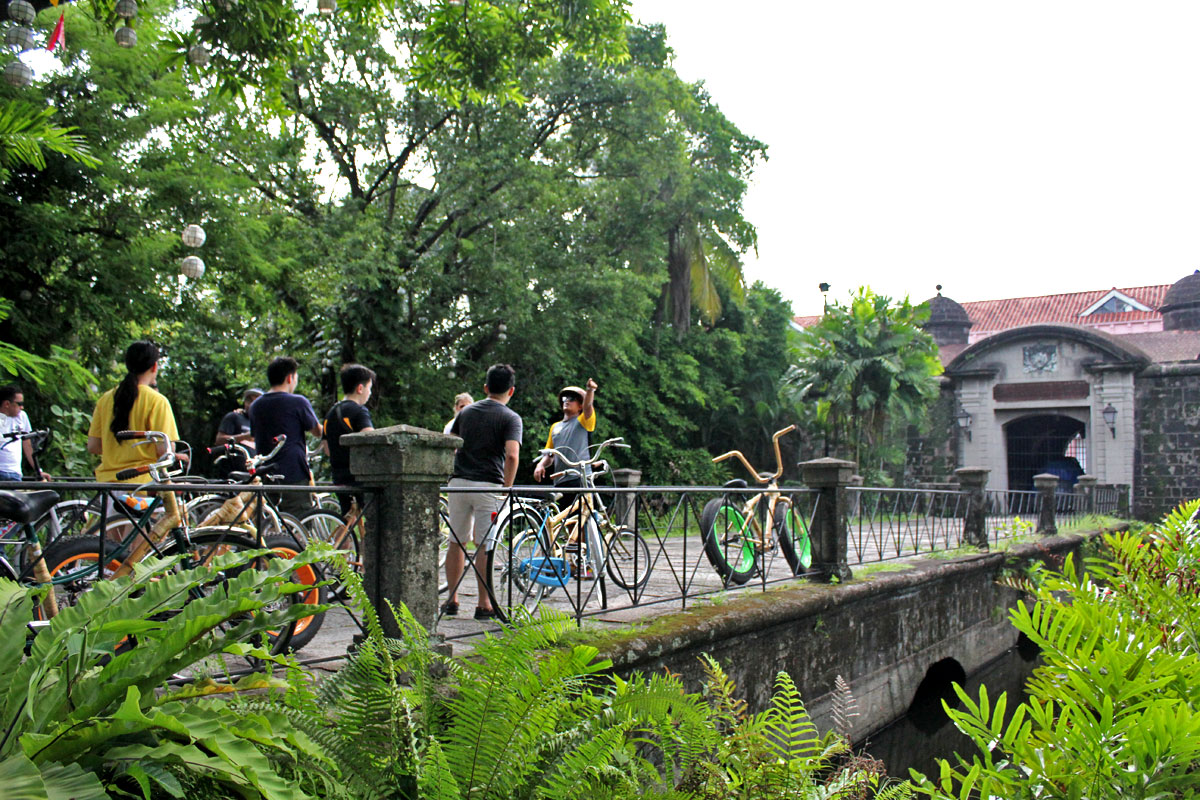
<point x="192" y="267"/>
<point x="197" y="55"/>
<point x="326" y="6"/>
<point x="127" y="8"/>
<point x="18" y="73"/>
<point x="126" y="36"/>
<point x="194" y="236"/>
<point x="21" y="12"/>
<point x="20" y="37"/>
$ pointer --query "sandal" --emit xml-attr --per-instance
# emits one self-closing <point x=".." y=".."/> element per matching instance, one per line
<point x="449" y="609"/>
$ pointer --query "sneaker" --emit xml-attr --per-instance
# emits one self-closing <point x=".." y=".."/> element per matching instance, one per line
<point x="449" y="609"/>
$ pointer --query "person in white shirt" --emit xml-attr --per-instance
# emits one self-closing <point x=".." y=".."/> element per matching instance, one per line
<point x="14" y="420"/>
<point x="461" y="401"/>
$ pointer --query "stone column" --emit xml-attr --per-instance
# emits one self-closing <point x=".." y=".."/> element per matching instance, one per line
<point x="1046" y="485"/>
<point x="830" y="477"/>
<point x="404" y="466"/>
<point x="1085" y="486"/>
<point x="973" y="481"/>
<point x="624" y="506"/>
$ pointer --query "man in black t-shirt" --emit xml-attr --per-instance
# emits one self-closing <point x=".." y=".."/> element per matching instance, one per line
<point x="491" y="434"/>
<point x="281" y="411"/>
<point x="235" y="429"/>
<point x="348" y="416"/>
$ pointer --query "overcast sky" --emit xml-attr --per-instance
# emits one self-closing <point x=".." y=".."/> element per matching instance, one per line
<point x="1000" y="149"/>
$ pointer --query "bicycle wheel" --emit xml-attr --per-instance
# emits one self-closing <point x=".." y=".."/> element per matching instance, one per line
<point x="205" y="544"/>
<point x="628" y="559"/>
<point x="792" y="535"/>
<point x="308" y="575"/>
<point x="74" y="566"/>
<point x="325" y="526"/>
<point x="67" y="518"/>
<point x="519" y="566"/>
<point x="728" y="541"/>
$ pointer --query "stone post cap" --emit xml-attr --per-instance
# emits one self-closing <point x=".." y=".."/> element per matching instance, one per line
<point x="1046" y="480"/>
<point x="626" y="476"/>
<point x="1085" y="481"/>
<point x="827" y="472"/>
<point x="400" y="451"/>
<point x="972" y="477"/>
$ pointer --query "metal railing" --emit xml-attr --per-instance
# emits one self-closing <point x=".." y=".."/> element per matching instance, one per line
<point x="635" y="548"/>
<point x="886" y="524"/>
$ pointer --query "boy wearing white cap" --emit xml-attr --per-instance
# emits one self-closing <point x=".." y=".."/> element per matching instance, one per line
<point x="572" y="435"/>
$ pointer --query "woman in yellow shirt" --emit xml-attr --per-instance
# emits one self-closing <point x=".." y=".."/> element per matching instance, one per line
<point x="134" y="405"/>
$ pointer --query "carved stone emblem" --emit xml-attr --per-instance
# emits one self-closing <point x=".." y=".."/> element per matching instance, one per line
<point x="1041" y="358"/>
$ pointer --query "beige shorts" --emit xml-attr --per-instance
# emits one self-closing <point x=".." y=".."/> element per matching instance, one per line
<point x="471" y="513"/>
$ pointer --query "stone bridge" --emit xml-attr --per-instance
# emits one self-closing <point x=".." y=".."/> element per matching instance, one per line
<point x="936" y="619"/>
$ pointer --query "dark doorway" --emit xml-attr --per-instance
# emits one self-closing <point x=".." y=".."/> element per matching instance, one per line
<point x="1039" y="444"/>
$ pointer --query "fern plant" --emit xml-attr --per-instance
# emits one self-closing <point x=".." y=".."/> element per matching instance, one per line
<point x="1114" y="711"/>
<point x="82" y="716"/>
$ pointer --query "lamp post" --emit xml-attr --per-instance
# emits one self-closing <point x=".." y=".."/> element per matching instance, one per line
<point x="1110" y="418"/>
<point x="964" y="420"/>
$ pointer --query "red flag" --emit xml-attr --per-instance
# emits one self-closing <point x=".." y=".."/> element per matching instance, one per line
<point x="56" y="38"/>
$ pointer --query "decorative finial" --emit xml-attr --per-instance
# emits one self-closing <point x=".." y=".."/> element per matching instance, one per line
<point x="939" y="290"/>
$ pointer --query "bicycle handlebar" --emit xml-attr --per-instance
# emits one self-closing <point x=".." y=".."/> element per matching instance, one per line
<point x="778" y="457"/>
<point x="14" y="435"/>
<point x="618" y="441"/>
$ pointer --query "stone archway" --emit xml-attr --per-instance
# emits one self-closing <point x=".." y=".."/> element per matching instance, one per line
<point x="1038" y="443"/>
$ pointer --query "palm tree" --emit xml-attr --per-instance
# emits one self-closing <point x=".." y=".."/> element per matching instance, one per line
<point x="865" y="363"/>
<point x="25" y="132"/>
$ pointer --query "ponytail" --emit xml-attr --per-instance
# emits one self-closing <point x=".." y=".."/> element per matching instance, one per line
<point x="140" y="357"/>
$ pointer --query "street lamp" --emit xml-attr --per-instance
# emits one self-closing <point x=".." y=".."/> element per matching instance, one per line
<point x="1110" y="418"/>
<point x="824" y="287"/>
<point x="964" y="419"/>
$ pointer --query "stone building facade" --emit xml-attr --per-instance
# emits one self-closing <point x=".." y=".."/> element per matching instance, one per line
<point x="1105" y="383"/>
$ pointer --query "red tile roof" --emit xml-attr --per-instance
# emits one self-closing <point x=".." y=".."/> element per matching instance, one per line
<point x="999" y="315"/>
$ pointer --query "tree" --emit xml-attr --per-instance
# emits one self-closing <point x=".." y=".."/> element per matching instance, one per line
<point x="865" y="363"/>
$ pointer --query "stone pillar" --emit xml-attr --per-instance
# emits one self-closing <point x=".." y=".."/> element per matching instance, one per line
<point x="1124" y="498"/>
<point x="830" y="477"/>
<point x="973" y="481"/>
<point x="1047" y="486"/>
<point x="624" y="506"/>
<point x="1085" y="487"/>
<point x="404" y="466"/>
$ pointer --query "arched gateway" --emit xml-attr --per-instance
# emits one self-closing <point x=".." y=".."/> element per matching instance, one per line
<point x="1039" y="399"/>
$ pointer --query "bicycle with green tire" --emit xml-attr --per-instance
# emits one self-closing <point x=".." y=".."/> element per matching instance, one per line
<point x="737" y="540"/>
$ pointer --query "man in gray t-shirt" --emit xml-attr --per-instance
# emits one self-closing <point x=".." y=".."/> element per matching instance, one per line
<point x="572" y="435"/>
<point x="491" y="434"/>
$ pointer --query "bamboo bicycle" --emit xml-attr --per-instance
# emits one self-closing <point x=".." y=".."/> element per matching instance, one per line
<point x="736" y="538"/>
<point x="74" y="562"/>
<point x="537" y="548"/>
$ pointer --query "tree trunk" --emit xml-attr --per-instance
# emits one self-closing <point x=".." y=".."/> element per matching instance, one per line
<point x="679" y="270"/>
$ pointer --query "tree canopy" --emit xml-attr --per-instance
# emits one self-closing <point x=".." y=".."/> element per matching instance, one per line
<point x="356" y="210"/>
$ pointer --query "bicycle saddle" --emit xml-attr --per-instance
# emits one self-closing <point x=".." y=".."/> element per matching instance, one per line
<point x="25" y="507"/>
<point x="736" y="483"/>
